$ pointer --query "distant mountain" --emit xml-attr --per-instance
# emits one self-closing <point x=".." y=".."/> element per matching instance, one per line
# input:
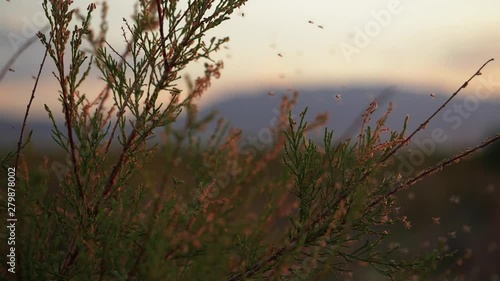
<point x="463" y="122"/>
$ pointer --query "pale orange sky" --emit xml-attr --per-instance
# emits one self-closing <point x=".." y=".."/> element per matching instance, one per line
<point x="424" y="43"/>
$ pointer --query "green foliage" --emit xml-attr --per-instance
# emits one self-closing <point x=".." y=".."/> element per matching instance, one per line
<point x="210" y="212"/>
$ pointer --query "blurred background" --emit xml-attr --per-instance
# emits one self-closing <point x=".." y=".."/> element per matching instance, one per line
<point x="339" y="56"/>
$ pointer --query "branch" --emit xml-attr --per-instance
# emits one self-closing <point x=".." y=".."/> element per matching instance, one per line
<point x="19" y="143"/>
<point x="437" y="168"/>
<point x="250" y="271"/>
<point x="162" y="34"/>
<point x="424" y="124"/>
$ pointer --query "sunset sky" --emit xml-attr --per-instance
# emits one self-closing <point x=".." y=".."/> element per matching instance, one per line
<point x="435" y="44"/>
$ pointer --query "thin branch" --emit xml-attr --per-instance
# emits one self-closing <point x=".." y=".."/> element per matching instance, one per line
<point x="72" y="253"/>
<point x="19" y="143"/>
<point x="437" y="168"/>
<point x="68" y="113"/>
<point x="164" y="78"/>
<point x="424" y="124"/>
<point x="249" y="272"/>
<point x="105" y="92"/>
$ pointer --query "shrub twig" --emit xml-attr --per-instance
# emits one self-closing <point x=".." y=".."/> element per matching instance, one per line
<point x="19" y="143"/>
<point x="424" y="124"/>
<point x="427" y="172"/>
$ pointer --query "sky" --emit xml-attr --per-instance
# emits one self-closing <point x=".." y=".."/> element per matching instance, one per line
<point x="280" y="44"/>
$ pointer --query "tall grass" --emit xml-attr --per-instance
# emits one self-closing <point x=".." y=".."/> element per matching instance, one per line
<point x="323" y="210"/>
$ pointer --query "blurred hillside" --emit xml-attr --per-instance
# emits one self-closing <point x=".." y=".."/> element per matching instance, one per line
<point x="464" y="122"/>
